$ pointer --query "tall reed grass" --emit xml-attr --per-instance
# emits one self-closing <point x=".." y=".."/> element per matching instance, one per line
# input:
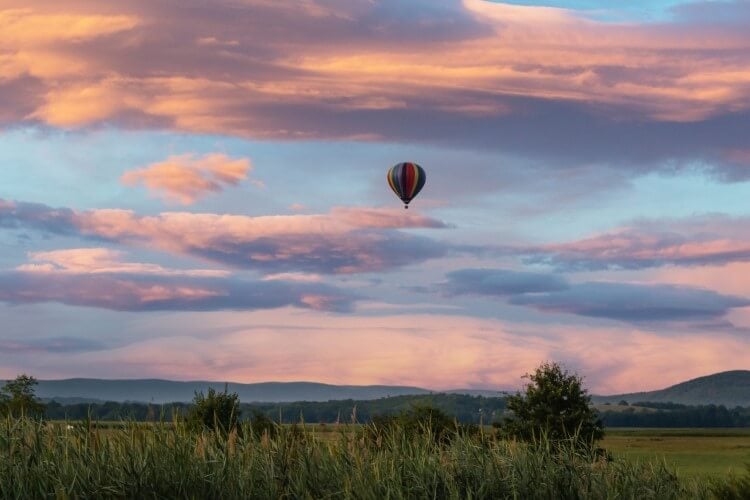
<point x="167" y="460"/>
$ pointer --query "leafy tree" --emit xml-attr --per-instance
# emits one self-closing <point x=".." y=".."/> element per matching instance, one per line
<point x="18" y="399"/>
<point x="217" y="410"/>
<point x="553" y="405"/>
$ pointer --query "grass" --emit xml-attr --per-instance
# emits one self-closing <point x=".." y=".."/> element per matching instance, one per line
<point x="169" y="461"/>
<point x="715" y="453"/>
<point x="692" y="453"/>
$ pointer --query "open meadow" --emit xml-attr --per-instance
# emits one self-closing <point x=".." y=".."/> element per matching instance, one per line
<point x="691" y="452"/>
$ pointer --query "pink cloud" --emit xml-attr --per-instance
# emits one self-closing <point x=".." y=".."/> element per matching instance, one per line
<point x="103" y="291"/>
<point x="342" y="56"/>
<point x="98" y="277"/>
<point x="471" y="73"/>
<point x="698" y="241"/>
<point x="346" y="240"/>
<point x="302" y="277"/>
<point x="102" y="260"/>
<point x="186" y="178"/>
<point x="27" y="27"/>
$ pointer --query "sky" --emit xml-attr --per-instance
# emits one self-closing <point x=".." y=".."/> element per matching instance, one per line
<point x="197" y="190"/>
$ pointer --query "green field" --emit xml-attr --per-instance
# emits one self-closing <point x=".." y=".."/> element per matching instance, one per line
<point x="692" y="452"/>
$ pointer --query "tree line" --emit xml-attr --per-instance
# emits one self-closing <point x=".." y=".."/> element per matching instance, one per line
<point x="551" y="390"/>
<point x="678" y="416"/>
<point x="465" y="409"/>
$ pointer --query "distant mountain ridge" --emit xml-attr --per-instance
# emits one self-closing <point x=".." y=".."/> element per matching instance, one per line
<point x="168" y="391"/>
<point x="730" y="388"/>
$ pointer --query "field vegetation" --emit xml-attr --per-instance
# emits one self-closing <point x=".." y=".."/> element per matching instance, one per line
<point x="548" y="445"/>
<point x="466" y="409"/>
<point x="692" y="452"/>
<point x="171" y="460"/>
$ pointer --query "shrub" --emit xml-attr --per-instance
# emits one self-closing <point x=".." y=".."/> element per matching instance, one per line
<point x="417" y="421"/>
<point x="18" y="398"/>
<point x="217" y="411"/>
<point x="260" y="424"/>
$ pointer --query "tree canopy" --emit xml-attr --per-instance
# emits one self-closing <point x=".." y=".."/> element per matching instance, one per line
<point x="18" y="398"/>
<point x="553" y="406"/>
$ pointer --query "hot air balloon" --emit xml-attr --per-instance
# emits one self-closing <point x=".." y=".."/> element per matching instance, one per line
<point x="407" y="180"/>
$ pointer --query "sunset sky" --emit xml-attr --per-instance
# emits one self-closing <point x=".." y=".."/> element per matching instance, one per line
<point x="197" y="190"/>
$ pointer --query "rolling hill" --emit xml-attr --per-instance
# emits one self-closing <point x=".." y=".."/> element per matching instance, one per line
<point x="731" y="388"/>
<point x="167" y="391"/>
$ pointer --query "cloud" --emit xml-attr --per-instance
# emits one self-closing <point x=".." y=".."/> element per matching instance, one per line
<point x="501" y="282"/>
<point x="102" y="261"/>
<point x="302" y="277"/>
<point x="14" y="215"/>
<point x="634" y="303"/>
<point x="152" y="293"/>
<point x="27" y="28"/>
<point x="527" y="80"/>
<point x="186" y="178"/>
<point x="346" y="240"/>
<point x="51" y="345"/>
<point x="698" y="241"/>
<point x="98" y="278"/>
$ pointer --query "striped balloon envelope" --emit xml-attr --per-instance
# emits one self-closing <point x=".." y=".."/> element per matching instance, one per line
<point x="407" y="180"/>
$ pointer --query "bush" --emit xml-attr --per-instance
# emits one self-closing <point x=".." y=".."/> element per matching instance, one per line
<point x="261" y="425"/>
<point x="18" y="398"/>
<point x="219" y="411"/>
<point x="417" y="421"/>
